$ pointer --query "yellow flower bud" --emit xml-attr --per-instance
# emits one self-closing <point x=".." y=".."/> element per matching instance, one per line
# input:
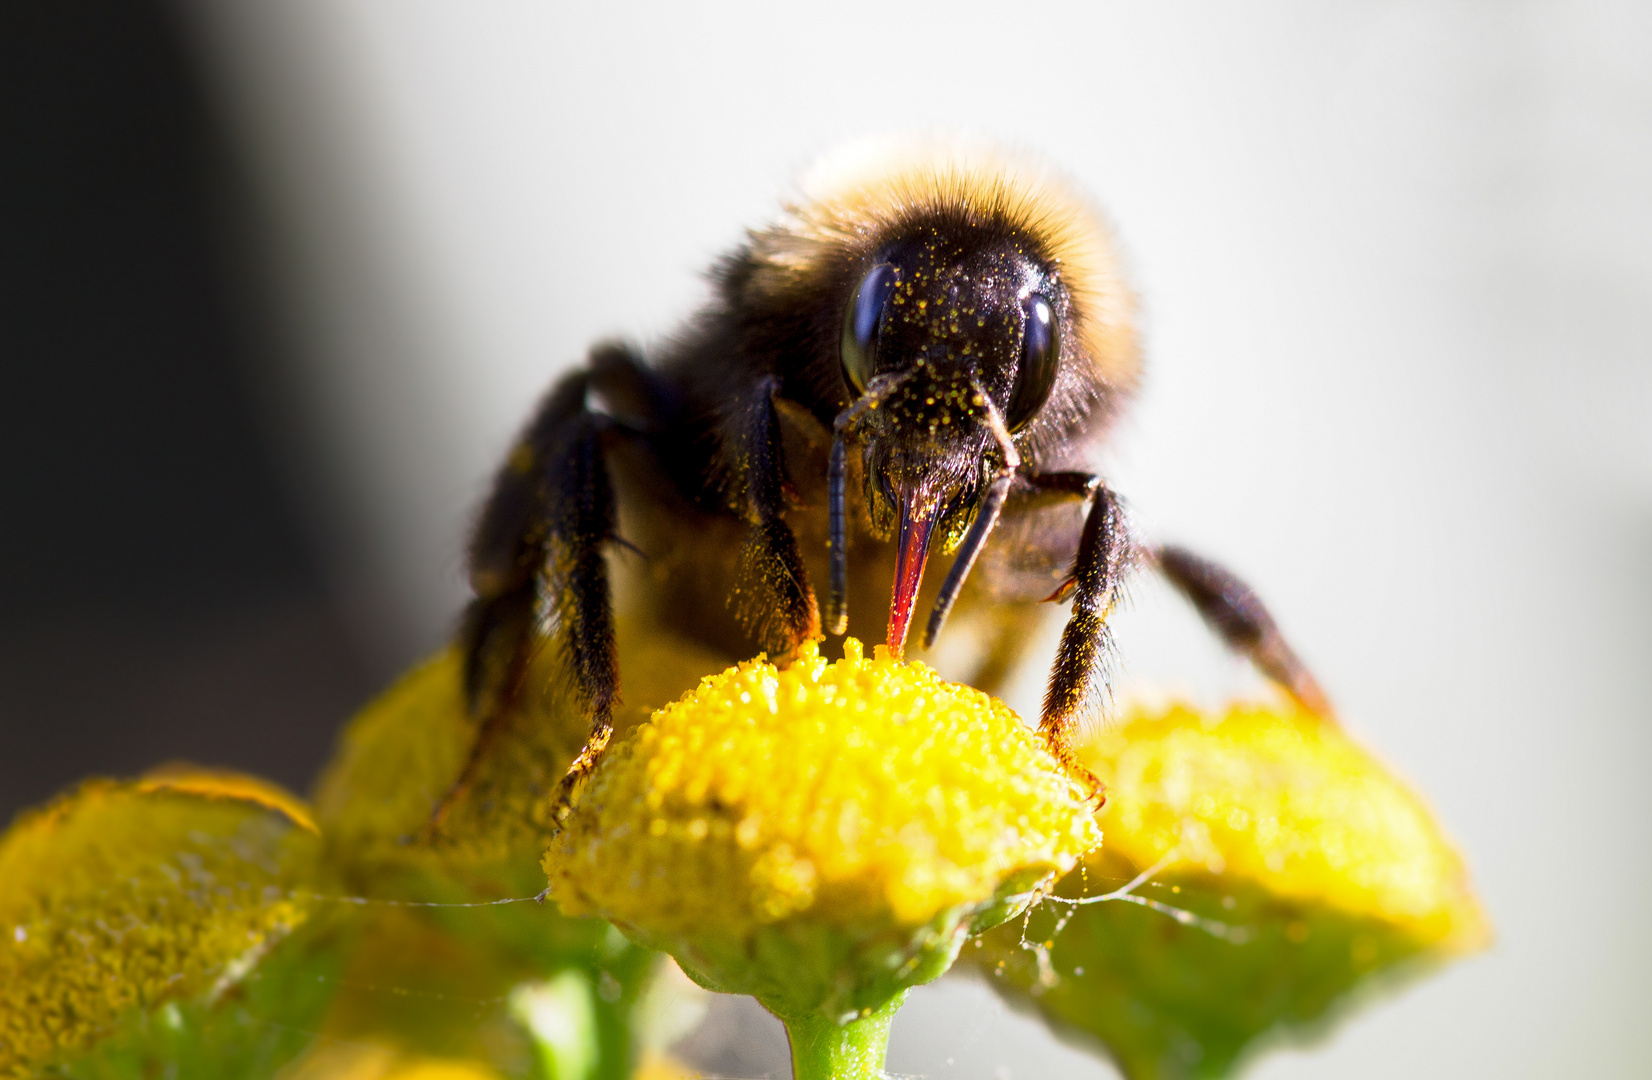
<point x="497" y="997"/>
<point x="395" y="761"/>
<point x="823" y="836"/>
<point x="119" y="898"/>
<point x="1287" y="868"/>
<point x="381" y="1061"/>
<point x="463" y="937"/>
<point x="664" y="1067"/>
<point x="403" y="753"/>
<point x="368" y="1060"/>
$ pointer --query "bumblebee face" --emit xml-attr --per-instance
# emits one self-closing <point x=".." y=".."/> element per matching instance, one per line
<point x="949" y="312"/>
<point x="953" y="335"/>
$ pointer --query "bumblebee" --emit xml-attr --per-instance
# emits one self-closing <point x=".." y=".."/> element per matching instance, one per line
<point x="921" y="355"/>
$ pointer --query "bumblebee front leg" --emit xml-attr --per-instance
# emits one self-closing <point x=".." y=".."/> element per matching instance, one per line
<point x="1079" y="674"/>
<point x="775" y="600"/>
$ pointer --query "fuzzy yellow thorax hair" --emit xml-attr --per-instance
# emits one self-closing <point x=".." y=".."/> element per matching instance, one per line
<point x="857" y="197"/>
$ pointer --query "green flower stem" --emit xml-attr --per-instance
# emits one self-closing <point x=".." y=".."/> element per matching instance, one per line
<point x="825" y="1050"/>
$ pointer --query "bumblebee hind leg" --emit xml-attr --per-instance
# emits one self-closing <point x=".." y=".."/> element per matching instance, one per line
<point x="1237" y="615"/>
<point x="577" y="583"/>
<point x="537" y="566"/>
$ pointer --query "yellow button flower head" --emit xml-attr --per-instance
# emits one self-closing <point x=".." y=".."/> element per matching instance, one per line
<point x="404" y="753"/>
<point x="368" y="1060"/>
<point x="363" y="1059"/>
<point x="1288" y="868"/>
<point x="396" y="761"/>
<point x="823" y="837"/>
<point x="119" y="899"/>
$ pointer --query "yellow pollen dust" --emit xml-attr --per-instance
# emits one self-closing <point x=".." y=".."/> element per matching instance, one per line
<point x="866" y="791"/>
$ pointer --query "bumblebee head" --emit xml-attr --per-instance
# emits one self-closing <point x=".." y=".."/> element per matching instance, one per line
<point x="952" y="340"/>
<point x="967" y="314"/>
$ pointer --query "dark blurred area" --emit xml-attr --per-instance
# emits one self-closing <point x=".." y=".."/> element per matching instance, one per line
<point x="158" y="596"/>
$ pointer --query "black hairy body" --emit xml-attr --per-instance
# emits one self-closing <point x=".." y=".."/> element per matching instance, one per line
<point x="923" y="354"/>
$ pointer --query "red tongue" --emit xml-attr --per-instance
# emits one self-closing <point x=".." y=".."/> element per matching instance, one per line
<point x="913" y="551"/>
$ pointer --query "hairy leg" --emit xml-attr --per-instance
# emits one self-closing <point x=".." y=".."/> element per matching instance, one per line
<point x="775" y="599"/>
<point x="1079" y="675"/>
<point x="537" y="568"/>
<point x="1237" y="615"/>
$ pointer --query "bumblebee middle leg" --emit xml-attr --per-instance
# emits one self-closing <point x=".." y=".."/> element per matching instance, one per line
<point x="775" y="599"/>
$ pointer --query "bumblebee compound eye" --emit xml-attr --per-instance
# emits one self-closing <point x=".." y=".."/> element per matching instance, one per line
<point x="1040" y="356"/>
<point x="860" y="325"/>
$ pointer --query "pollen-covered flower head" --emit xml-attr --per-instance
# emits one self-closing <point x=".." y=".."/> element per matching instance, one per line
<point x="118" y="899"/>
<point x="823" y="836"/>
<point x="1261" y="870"/>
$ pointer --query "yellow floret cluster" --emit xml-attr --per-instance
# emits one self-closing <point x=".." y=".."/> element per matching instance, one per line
<point x="1276" y="868"/>
<point x="364" y="1059"/>
<point x="367" y="1060"/>
<point x="1288" y="800"/>
<point x="860" y="792"/>
<point x="122" y="896"/>
<point x="402" y="753"/>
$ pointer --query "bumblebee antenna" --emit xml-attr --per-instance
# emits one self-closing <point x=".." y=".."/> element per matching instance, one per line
<point x="837" y="468"/>
<point x="985" y="518"/>
<point x="837" y="600"/>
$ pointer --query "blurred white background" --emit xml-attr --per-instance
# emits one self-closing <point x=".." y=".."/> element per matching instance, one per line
<point x="1396" y="265"/>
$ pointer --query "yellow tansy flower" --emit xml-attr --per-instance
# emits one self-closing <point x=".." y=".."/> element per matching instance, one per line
<point x="462" y="935"/>
<point x="823" y="837"/>
<point x="402" y="754"/>
<point x="367" y="1060"/>
<point x="1286" y="868"/>
<point x="119" y="898"/>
